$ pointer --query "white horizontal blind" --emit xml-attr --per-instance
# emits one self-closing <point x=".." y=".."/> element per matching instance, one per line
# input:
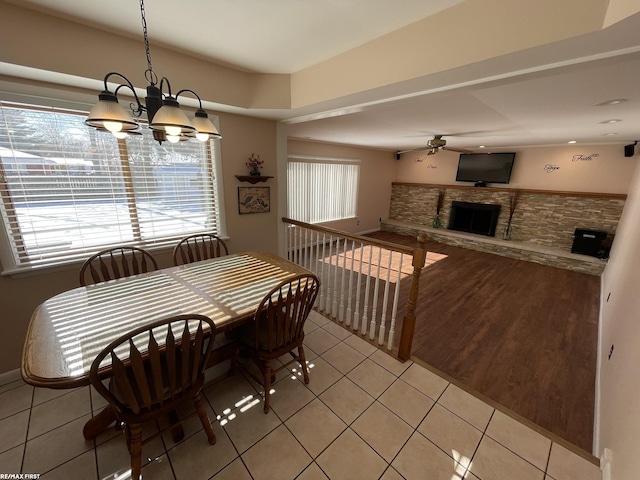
<point x="68" y="190"/>
<point x="322" y="190"/>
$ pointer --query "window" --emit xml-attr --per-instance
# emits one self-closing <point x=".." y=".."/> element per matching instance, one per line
<point x="322" y="189"/>
<point x="68" y="190"/>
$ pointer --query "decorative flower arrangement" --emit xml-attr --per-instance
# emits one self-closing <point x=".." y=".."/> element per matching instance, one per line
<point x="440" y="201"/>
<point x="513" y="203"/>
<point x="255" y="164"/>
<point x="436" y="221"/>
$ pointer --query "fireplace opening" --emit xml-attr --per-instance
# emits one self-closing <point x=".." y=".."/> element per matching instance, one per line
<point x="479" y="218"/>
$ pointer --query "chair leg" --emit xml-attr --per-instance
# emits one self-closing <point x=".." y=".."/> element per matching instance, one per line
<point x="204" y="418"/>
<point x="135" y="450"/>
<point x="177" y="432"/>
<point x="233" y="365"/>
<point x="127" y="436"/>
<point x="303" y="364"/>
<point x="267" y="384"/>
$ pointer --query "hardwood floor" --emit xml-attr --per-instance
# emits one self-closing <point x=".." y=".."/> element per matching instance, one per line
<point x="523" y="334"/>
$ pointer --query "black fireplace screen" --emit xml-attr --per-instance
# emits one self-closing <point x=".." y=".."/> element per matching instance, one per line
<point x="480" y="218"/>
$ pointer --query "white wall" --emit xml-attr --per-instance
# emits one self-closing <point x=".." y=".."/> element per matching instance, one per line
<point x="593" y="168"/>
<point x="618" y="415"/>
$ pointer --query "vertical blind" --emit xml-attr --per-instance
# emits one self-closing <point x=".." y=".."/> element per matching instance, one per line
<point x="322" y="190"/>
<point x="68" y="190"/>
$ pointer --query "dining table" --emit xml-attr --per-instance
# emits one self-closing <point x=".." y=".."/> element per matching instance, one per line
<point x="67" y="331"/>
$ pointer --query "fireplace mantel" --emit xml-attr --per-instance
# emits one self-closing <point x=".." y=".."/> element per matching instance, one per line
<point x="564" y="193"/>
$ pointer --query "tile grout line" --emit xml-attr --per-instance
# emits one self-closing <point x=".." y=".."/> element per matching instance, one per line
<point x="375" y="400"/>
<point x="26" y="435"/>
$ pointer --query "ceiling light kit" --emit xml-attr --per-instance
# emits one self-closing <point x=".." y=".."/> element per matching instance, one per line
<point x="166" y="119"/>
<point x="616" y="101"/>
<point x="433" y="146"/>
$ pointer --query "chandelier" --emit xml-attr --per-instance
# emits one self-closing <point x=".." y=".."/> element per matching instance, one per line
<point x="166" y="119"/>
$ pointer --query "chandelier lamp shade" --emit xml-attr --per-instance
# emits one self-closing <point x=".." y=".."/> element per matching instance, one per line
<point x="165" y="118"/>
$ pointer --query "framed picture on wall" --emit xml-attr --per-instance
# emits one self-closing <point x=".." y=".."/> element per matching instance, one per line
<point x="253" y="200"/>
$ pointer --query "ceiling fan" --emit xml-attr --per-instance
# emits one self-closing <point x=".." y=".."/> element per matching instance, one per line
<point x="433" y="146"/>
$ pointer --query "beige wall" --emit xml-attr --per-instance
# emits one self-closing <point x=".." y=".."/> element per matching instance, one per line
<point x="56" y="45"/>
<point x="618" y="420"/>
<point x="241" y="137"/>
<point x="377" y="170"/>
<point x="620" y="9"/>
<point x="541" y="168"/>
<point x="435" y="44"/>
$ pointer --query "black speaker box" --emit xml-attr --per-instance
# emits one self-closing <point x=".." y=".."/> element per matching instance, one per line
<point x="629" y="150"/>
<point x="588" y="242"/>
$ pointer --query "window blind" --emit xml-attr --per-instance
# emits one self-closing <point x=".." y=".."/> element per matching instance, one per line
<point x="322" y="190"/>
<point x="68" y="191"/>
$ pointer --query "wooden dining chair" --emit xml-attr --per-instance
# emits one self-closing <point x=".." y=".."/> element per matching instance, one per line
<point x="278" y="328"/>
<point x="117" y="262"/>
<point x="199" y="247"/>
<point x="156" y="369"/>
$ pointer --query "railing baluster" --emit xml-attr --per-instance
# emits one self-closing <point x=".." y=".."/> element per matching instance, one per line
<point x="342" y="285"/>
<point x="385" y="301"/>
<point x="323" y="286"/>
<point x="374" y="313"/>
<point x="327" y="305"/>
<point x="296" y="247"/>
<point x="316" y="257"/>
<point x="334" y="304"/>
<point x="365" y="308"/>
<point x="287" y="240"/>
<point x="306" y="260"/>
<point x="300" y="246"/>
<point x="349" y="298"/>
<point x="394" y="310"/>
<point x="356" y="315"/>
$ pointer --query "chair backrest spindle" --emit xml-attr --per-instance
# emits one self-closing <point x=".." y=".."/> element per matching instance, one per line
<point x="146" y="376"/>
<point x="117" y="262"/>
<point x="195" y="248"/>
<point x="280" y="317"/>
<point x="152" y="378"/>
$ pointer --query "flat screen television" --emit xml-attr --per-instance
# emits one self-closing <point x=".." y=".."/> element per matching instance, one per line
<point x="484" y="168"/>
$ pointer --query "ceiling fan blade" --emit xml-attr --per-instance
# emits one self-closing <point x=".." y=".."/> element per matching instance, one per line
<point x="420" y="149"/>
<point x="459" y="150"/>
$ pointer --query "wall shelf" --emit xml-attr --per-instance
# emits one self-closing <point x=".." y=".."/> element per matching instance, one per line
<point x="253" y="178"/>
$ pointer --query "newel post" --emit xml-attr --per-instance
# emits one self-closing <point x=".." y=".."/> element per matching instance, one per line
<point x="409" y="320"/>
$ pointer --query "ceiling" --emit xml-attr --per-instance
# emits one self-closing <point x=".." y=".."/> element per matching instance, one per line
<point x="546" y="95"/>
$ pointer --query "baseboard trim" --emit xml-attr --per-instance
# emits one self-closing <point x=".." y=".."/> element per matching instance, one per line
<point x="10" y="376"/>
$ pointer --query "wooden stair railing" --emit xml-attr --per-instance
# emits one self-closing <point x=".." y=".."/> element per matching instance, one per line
<point x="361" y="278"/>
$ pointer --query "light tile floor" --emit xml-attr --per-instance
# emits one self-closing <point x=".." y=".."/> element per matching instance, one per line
<point x="364" y="415"/>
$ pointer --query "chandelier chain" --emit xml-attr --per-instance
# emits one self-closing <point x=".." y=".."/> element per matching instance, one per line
<point x="167" y="121"/>
<point x="149" y="73"/>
